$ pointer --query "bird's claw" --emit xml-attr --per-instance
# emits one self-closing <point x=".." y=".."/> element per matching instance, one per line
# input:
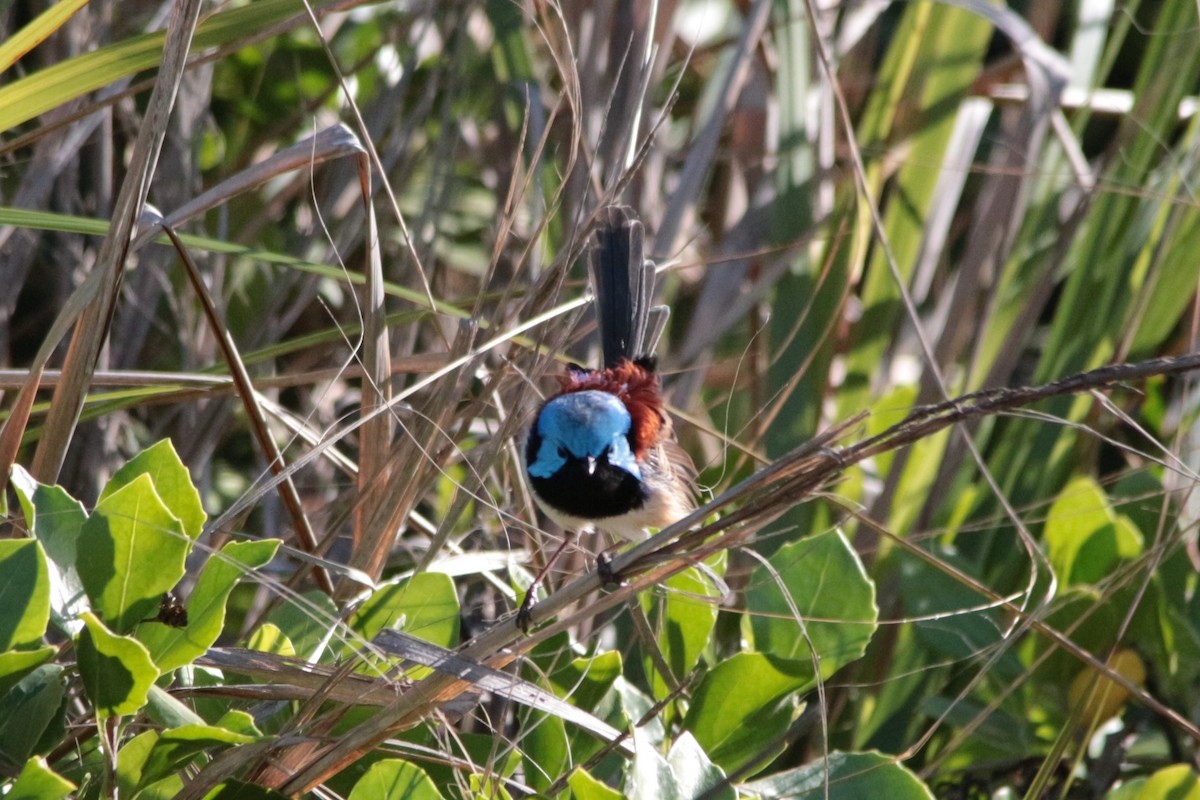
<point x="605" y="570"/>
<point x="525" y="612"/>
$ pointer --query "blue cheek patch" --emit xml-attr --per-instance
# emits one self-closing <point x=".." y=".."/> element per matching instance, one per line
<point x="619" y="455"/>
<point x="548" y="460"/>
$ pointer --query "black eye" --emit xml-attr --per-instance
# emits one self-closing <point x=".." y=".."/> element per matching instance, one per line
<point x="563" y="454"/>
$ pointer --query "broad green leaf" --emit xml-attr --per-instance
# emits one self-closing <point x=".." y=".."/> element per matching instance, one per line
<point x="1178" y="782"/>
<point x="546" y="748"/>
<point x="650" y="777"/>
<point x="38" y="782"/>
<point x="165" y="710"/>
<point x="425" y="605"/>
<point x="635" y="707"/>
<point x="1128" y="790"/>
<point x="24" y="593"/>
<point x="173" y="647"/>
<point x="683" y="618"/>
<point x="167" y="789"/>
<point x="848" y="776"/>
<point x="585" y="787"/>
<point x="550" y="746"/>
<point x="306" y="622"/>
<point x="945" y="626"/>
<point x="822" y="579"/>
<point x="1085" y="539"/>
<point x="269" y="639"/>
<point x="394" y="779"/>
<point x="55" y="519"/>
<point x="132" y="550"/>
<point x="745" y="704"/>
<point x="28" y="709"/>
<point x="171" y="480"/>
<point x="237" y="790"/>
<point x="584" y="681"/>
<point x="240" y="722"/>
<point x="996" y="733"/>
<point x="178" y="747"/>
<point x="131" y="761"/>
<point x="16" y="664"/>
<point x="695" y="774"/>
<point x="117" y="670"/>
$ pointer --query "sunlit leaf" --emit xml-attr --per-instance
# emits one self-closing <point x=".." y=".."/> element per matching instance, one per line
<point x="822" y="580"/>
<point x="24" y="593"/>
<point x="132" y="550"/>
<point x="117" y="670"/>
<point x="845" y="776"/>
<point x="393" y="779"/>
<point x="38" y="782"/>
<point x="171" y="480"/>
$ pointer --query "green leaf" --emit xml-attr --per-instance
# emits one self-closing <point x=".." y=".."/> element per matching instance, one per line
<point x="24" y="593"/>
<point x="684" y="619"/>
<point x="117" y="670"/>
<point x="650" y="777"/>
<point x="425" y="605"/>
<point x="171" y="481"/>
<point x="239" y="721"/>
<point x="269" y="639"/>
<point x="236" y="790"/>
<point x="28" y="709"/>
<point x="165" y="710"/>
<point x="305" y="621"/>
<point x="55" y="519"/>
<point x="16" y="664"/>
<point x="820" y="578"/>
<point x="135" y="551"/>
<point x="177" y="748"/>
<point x="131" y="761"/>
<point x="1085" y="539"/>
<point x="546" y="748"/>
<point x="584" y="787"/>
<point x="744" y="704"/>
<point x="1178" y="782"/>
<point x="38" y="782"/>
<point x="695" y="774"/>
<point x="850" y="776"/>
<point x="550" y="747"/>
<point x="393" y="779"/>
<point x="584" y="681"/>
<point x="166" y="789"/>
<point x="172" y="647"/>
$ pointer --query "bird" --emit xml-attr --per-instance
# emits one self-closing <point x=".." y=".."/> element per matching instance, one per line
<point x="601" y="453"/>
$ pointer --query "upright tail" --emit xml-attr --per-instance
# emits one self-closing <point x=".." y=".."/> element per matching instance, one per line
<point x="630" y="326"/>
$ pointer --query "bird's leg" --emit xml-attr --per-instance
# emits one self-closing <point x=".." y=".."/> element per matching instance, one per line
<point x="527" y="604"/>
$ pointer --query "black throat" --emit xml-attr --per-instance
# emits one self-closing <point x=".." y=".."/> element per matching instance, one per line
<point x="607" y="491"/>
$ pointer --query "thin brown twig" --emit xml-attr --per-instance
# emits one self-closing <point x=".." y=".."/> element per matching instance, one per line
<point x="258" y="422"/>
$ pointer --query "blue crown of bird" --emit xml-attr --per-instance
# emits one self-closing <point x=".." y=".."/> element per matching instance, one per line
<point x="601" y="453"/>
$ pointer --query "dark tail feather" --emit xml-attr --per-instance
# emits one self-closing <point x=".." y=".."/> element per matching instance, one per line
<point x="629" y="326"/>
